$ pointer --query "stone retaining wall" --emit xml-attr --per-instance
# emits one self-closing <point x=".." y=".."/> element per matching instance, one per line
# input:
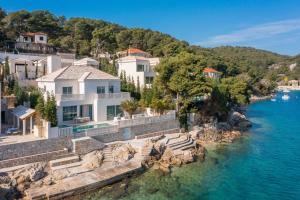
<point x="10" y="151"/>
<point x="159" y="133"/>
<point x="32" y="158"/>
<point x="85" y="145"/>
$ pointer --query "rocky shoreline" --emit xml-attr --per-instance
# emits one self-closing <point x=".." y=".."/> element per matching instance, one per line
<point x="39" y="181"/>
<point x="261" y="98"/>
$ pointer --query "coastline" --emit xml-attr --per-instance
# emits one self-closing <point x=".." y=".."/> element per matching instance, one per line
<point x="130" y="158"/>
<point x="292" y="88"/>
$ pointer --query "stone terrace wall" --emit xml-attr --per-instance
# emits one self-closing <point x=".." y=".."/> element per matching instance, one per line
<point x="16" y="150"/>
<point x="86" y="144"/>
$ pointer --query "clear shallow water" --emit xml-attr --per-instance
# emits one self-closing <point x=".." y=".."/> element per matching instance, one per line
<point x="265" y="164"/>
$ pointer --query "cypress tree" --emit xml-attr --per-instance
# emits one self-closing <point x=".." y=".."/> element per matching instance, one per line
<point x="6" y="68"/>
<point x="26" y="71"/>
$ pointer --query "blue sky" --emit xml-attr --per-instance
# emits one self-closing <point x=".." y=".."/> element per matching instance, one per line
<point x="267" y="24"/>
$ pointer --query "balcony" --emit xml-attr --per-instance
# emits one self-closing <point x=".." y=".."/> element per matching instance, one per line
<point x="91" y="97"/>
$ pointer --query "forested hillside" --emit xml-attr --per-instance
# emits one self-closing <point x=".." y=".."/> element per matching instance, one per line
<point x="245" y="71"/>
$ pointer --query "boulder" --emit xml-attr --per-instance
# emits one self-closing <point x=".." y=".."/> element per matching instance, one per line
<point x="239" y="121"/>
<point x="123" y="152"/>
<point x="4" y="178"/>
<point x="31" y="173"/>
<point x="93" y="159"/>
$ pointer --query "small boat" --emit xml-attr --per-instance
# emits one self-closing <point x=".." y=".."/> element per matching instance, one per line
<point x="285" y="97"/>
<point x="286" y="91"/>
<point x="273" y="99"/>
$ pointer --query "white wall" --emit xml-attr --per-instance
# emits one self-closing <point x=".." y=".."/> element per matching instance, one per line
<point x="47" y="86"/>
<point x="53" y="63"/>
<point x="130" y="67"/>
<point x="38" y="40"/>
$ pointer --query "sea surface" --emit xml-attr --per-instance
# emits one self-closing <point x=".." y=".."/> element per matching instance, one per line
<point x="264" y="164"/>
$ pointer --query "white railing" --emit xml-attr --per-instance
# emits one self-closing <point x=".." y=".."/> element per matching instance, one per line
<point x="67" y="131"/>
<point x="147" y="120"/>
<point x="171" y="115"/>
<point x="71" y="97"/>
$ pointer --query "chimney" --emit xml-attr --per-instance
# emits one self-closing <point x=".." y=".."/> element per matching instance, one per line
<point x="53" y="63"/>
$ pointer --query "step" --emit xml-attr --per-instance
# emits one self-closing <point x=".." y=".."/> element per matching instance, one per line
<point x="70" y="165"/>
<point x="172" y="138"/>
<point x="14" y="168"/>
<point x="193" y="145"/>
<point x="181" y="138"/>
<point x="64" y="161"/>
<point x="183" y="145"/>
<point x="180" y="142"/>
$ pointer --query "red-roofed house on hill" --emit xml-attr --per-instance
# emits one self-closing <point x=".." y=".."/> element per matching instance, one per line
<point x="34" y="42"/>
<point x="133" y="52"/>
<point x="37" y="37"/>
<point x="211" y="73"/>
<point x="138" y="66"/>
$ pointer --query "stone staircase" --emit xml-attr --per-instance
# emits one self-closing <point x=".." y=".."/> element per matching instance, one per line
<point x="107" y="151"/>
<point x="71" y="158"/>
<point x="181" y="143"/>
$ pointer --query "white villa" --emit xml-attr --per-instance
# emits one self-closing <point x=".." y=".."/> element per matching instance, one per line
<point x="137" y="65"/>
<point x="83" y="94"/>
<point x="87" y="62"/>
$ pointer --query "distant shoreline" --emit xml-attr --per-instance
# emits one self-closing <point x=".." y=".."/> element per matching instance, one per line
<point x="280" y="88"/>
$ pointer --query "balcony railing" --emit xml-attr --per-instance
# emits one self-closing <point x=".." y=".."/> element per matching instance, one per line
<point x="76" y="97"/>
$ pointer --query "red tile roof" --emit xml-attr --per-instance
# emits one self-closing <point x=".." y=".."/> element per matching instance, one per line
<point x="132" y="50"/>
<point x="33" y="34"/>
<point x="210" y="70"/>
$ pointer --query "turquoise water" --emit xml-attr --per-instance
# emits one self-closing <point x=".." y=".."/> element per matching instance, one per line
<point x="264" y="164"/>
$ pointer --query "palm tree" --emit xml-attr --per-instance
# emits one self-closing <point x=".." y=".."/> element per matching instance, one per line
<point x="129" y="106"/>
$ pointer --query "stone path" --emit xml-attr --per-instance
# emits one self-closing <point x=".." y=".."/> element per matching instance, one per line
<point x="84" y="182"/>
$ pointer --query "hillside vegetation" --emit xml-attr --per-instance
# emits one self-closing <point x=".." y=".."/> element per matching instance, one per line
<point x="245" y="71"/>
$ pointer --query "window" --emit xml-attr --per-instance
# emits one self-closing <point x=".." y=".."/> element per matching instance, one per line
<point x="69" y="113"/>
<point x="113" y="111"/>
<point x="100" y="89"/>
<point x="67" y="90"/>
<point x="25" y="38"/>
<point x="41" y="38"/>
<point x="149" y="80"/>
<point x="111" y="89"/>
<point x="140" y="68"/>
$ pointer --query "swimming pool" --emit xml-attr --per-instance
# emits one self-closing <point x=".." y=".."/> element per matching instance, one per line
<point x="81" y="128"/>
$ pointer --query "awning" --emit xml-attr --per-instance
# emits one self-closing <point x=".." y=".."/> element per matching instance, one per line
<point x="23" y="112"/>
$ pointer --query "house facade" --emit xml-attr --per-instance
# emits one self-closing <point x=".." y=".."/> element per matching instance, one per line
<point x="84" y="93"/>
<point x="138" y="67"/>
<point x="211" y="73"/>
<point x="37" y="37"/>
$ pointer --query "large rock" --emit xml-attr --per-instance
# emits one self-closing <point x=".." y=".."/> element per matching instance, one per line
<point x="31" y="173"/>
<point x="93" y="159"/>
<point x="239" y="121"/>
<point x="123" y="152"/>
<point x="4" y="178"/>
